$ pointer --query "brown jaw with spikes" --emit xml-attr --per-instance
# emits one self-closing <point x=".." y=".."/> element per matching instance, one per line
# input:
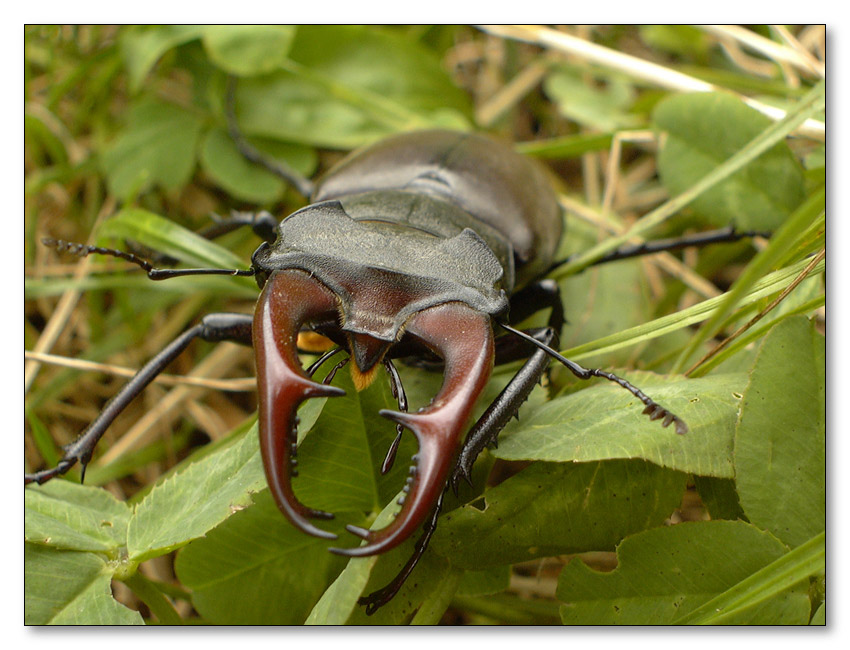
<point x="439" y="427"/>
<point x="291" y="299"/>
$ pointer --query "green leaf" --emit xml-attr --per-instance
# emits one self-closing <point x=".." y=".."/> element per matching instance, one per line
<point x="339" y="460"/>
<point x="605" y="421"/>
<point x="663" y="574"/>
<point x="684" y="40"/>
<point x="485" y="582"/>
<point x="248" y="49"/>
<point x="793" y="568"/>
<point x="702" y="131"/>
<point x="338" y="605"/>
<point x="780" y="441"/>
<point x="340" y="90"/>
<point x="66" y="515"/>
<point x="338" y="471"/>
<point x="339" y="601"/>
<point x="719" y="497"/>
<point x="425" y="587"/>
<point x="604" y="109"/>
<point x="357" y="56"/>
<point x="287" y="107"/>
<point x="70" y="588"/>
<point x="157" y="148"/>
<point x="227" y="166"/>
<point x="195" y="499"/>
<point x="164" y="236"/>
<point x="813" y="101"/>
<point x="552" y="509"/>
<point x="257" y="569"/>
<point x="143" y="46"/>
<point x="603" y="300"/>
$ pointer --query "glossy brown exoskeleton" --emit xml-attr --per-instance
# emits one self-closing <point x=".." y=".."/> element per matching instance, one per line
<point x="412" y="248"/>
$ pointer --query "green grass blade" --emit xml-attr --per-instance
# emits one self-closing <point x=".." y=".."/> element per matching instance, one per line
<point x="780" y="243"/>
<point x="804" y="561"/>
<point x="814" y="101"/>
<point x="769" y="285"/>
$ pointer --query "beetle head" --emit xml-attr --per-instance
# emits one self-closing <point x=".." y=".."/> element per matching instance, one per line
<point x="462" y="336"/>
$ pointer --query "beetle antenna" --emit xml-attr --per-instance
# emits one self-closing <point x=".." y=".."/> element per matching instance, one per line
<point x="277" y="167"/>
<point x="653" y="408"/>
<point x="82" y="250"/>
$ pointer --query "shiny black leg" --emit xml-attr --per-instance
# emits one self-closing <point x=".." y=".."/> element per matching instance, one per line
<point x="214" y="328"/>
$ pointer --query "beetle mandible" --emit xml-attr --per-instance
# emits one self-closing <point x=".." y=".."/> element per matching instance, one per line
<point x="419" y="246"/>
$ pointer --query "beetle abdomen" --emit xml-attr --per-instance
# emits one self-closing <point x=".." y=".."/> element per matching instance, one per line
<point x="488" y="180"/>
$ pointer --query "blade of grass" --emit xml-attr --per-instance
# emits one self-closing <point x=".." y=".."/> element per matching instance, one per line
<point x="438" y="600"/>
<point x="635" y="67"/>
<point x="43" y="441"/>
<point x="766" y="286"/>
<point x="803" y="275"/>
<point x="811" y="103"/>
<point x="754" y="334"/>
<point x="569" y="146"/>
<point x="782" y="241"/>
<point x="165" y="236"/>
<point x="245" y="384"/>
<point x="804" y="561"/>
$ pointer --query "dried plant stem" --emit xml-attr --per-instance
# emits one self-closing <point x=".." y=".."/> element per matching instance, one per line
<point x="217" y="362"/>
<point x="637" y="68"/>
<point x="510" y="94"/>
<point x="666" y="261"/>
<point x="63" y="310"/>
<point x="755" y="319"/>
<point x="243" y="384"/>
<point x="775" y="51"/>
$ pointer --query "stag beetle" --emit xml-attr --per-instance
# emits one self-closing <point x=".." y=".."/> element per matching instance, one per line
<point x="419" y="246"/>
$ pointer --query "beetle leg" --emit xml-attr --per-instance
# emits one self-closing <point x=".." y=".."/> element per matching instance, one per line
<point x="81" y="250"/>
<point x="491" y="422"/>
<point x="277" y="167"/>
<point x="401" y="397"/>
<point x="262" y="223"/>
<point x="536" y="297"/>
<point x="653" y="408"/>
<point x="330" y="376"/>
<point x="289" y="300"/>
<point x="318" y="363"/>
<point x="438" y="428"/>
<point x="720" y="236"/>
<point x="385" y="594"/>
<point x="213" y="327"/>
<point x="498" y="414"/>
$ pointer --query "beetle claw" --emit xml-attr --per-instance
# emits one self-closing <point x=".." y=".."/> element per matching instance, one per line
<point x="657" y="412"/>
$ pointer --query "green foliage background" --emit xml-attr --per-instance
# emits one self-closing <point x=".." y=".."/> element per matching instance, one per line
<point x="591" y="514"/>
